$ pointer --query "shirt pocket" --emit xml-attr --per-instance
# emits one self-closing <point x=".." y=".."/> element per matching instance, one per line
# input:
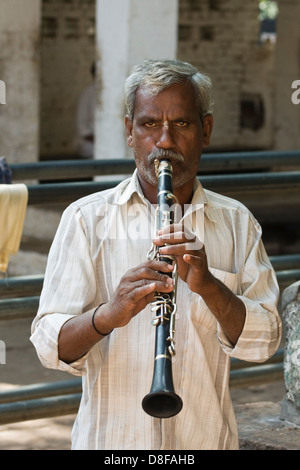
<point x="201" y="315"/>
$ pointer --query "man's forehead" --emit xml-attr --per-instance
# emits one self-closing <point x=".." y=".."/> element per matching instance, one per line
<point x="176" y="96"/>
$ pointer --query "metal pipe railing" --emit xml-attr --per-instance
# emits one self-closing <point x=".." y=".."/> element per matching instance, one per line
<point x="285" y="262"/>
<point x="56" y="193"/>
<point x="34" y="391"/>
<point x="67" y="387"/>
<point x="21" y="286"/>
<point x="264" y="373"/>
<point x="286" y="266"/>
<point x="26" y="307"/>
<point x="21" y="307"/>
<point x="65" y="404"/>
<point x="210" y="162"/>
<point x="48" y="407"/>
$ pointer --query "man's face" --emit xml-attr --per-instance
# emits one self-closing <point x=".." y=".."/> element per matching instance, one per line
<point x="168" y="124"/>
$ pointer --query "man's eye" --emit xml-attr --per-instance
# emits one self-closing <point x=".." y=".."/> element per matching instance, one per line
<point x="150" y="124"/>
<point x="181" y="123"/>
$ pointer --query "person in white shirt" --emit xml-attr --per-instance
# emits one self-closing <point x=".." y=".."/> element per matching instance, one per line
<point x="94" y="318"/>
<point x="85" y="116"/>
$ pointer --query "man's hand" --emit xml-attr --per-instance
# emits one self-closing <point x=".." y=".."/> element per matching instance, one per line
<point x="135" y="290"/>
<point x="189" y="253"/>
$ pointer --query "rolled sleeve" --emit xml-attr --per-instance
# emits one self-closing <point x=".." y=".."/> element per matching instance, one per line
<point x="45" y="340"/>
<point x="260" y="336"/>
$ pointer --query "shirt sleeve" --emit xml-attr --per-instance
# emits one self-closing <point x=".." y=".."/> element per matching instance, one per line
<point x="259" y="291"/>
<point x="69" y="290"/>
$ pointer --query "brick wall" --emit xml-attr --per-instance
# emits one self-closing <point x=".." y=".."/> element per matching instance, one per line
<point x="221" y="38"/>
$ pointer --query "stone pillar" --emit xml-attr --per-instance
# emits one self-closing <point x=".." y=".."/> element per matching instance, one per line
<point x="127" y="31"/>
<point x="19" y="70"/>
<point x="290" y="408"/>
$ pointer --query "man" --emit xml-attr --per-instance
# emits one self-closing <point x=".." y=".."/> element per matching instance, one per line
<point x="95" y="315"/>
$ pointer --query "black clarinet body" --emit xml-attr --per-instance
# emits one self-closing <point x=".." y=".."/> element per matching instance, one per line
<point x="162" y="401"/>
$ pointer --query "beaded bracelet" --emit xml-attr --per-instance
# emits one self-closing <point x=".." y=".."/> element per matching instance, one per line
<point x="93" y="322"/>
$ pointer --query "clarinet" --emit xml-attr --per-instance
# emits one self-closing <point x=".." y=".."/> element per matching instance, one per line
<point x="162" y="401"/>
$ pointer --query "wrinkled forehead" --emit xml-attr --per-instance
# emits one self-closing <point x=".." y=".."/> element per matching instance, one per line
<point x="177" y="98"/>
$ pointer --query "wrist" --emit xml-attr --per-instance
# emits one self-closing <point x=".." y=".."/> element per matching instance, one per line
<point x="208" y="285"/>
<point x="101" y="326"/>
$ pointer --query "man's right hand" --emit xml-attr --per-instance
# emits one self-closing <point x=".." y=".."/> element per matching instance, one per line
<point x="135" y="290"/>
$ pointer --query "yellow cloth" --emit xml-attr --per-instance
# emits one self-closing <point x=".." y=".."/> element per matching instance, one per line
<point x="13" y="204"/>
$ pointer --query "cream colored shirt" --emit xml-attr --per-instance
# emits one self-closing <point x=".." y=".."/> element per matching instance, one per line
<point x="99" y="238"/>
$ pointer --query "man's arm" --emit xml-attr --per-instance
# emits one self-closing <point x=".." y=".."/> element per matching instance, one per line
<point x="228" y="309"/>
<point x="190" y="254"/>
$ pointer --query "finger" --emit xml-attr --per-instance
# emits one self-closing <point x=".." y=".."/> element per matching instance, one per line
<point x="197" y="263"/>
<point x="171" y="228"/>
<point x="154" y="271"/>
<point x="178" y="231"/>
<point x="157" y="271"/>
<point x="172" y="238"/>
<point x="161" y="282"/>
<point x="182" y="248"/>
<point x="141" y="290"/>
<point x="159" y="266"/>
<point x="192" y="260"/>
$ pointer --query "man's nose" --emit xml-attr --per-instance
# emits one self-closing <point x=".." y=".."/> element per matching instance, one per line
<point x="165" y="138"/>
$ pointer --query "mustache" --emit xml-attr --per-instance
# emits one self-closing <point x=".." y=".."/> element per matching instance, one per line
<point x="161" y="154"/>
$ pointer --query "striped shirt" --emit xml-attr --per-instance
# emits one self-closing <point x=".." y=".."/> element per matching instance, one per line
<point x="99" y="238"/>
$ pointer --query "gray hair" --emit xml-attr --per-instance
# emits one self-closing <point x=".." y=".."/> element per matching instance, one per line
<point x="160" y="74"/>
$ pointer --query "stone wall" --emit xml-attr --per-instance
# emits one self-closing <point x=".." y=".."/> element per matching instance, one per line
<point x="19" y="65"/>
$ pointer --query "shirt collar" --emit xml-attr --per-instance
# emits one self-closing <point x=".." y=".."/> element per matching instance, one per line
<point x="128" y="188"/>
<point x="131" y="186"/>
<point x="201" y="197"/>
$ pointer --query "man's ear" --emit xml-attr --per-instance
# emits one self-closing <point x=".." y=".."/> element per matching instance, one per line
<point x="128" y="130"/>
<point x="207" y="127"/>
